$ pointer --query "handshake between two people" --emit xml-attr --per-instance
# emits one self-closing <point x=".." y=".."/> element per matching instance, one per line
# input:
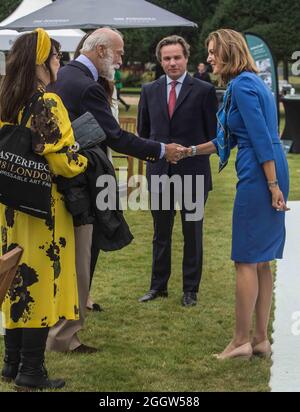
<point x="175" y="152"/>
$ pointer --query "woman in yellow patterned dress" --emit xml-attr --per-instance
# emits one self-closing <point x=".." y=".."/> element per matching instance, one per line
<point x="45" y="288"/>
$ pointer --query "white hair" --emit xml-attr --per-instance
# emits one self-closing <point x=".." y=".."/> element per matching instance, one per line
<point x="99" y="38"/>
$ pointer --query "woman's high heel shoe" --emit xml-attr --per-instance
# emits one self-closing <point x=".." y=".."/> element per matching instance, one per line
<point x="242" y="352"/>
<point x="263" y="349"/>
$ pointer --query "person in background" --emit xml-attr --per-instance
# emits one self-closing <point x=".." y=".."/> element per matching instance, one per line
<point x="202" y="73"/>
<point x="180" y="108"/>
<point x="248" y="120"/>
<point x="45" y="288"/>
<point x="119" y="87"/>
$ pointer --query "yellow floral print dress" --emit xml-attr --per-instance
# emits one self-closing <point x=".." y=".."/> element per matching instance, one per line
<point x="45" y="288"/>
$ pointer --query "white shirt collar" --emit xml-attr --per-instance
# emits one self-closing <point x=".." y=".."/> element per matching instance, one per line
<point x="180" y="80"/>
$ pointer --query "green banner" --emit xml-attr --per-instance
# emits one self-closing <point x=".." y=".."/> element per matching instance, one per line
<point x="264" y="60"/>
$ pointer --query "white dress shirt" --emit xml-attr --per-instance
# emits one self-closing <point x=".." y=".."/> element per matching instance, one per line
<point x="178" y="85"/>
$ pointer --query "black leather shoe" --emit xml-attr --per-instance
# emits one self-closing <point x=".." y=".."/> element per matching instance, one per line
<point x="84" y="349"/>
<point x="153" y="294"/>
<point x="10" y="366"/>
<point x="30" y="378"/>
<point x="189" y="299"/>
<point x="9" y="372"/>
<point x="95" y="308"/>
<point x="28" y="384"/>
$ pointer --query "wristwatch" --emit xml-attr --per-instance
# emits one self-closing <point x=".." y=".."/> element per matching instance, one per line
<point x="273" y="184"/>
<point x="194" y="151"/>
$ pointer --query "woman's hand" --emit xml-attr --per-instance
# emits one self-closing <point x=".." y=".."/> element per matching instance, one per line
<point x="278" y="201"/>
<point x="201" y="149"/>
<point x="188" y="153"/>
<point x="174" y="152"/>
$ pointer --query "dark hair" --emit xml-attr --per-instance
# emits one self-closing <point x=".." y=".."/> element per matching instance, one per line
<point x="56" y="46"/>
<point x="108" y="87"/>
<point x="80" y="44"/>
<point x="171" y="40"/>
<point x="20" y="81"/>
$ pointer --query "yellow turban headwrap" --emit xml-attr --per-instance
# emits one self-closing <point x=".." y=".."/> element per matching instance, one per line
<point x="43" y="46"/>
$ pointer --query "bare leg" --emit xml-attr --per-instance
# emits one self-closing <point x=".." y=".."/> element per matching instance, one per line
<point x="89" y="303"/>
<point x="264" y="302"/>
<point x="246" y="296"/>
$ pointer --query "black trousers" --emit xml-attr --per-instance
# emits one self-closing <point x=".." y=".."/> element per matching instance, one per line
<point x="163" y="221"/>
<point x="120" y="98"/>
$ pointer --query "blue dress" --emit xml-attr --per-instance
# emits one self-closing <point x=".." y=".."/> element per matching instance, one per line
<point x="258" y="230"/>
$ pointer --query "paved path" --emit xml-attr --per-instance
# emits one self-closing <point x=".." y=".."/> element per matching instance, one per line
<point x="285" y="372"/>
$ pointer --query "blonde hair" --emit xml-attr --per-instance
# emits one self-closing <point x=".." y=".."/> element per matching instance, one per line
<point x="232" y="54"/>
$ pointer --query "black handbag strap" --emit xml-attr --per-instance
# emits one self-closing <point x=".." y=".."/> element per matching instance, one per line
<point x="29" y="108"/>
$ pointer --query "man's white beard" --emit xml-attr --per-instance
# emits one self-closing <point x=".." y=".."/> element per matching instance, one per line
<point x="108" y="68"/>
<point x="108" y="73"/>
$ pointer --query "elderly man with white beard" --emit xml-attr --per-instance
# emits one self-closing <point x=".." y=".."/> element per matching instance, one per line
<point x="77" y="85"/>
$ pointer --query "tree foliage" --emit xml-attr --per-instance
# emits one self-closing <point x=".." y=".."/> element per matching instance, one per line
<point x="141" y="43"/>
<point x="7" y="7"/>
<point x="276" y="20"/>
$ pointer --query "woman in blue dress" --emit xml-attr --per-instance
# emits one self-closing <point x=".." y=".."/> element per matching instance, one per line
<point x="248" y="120"/>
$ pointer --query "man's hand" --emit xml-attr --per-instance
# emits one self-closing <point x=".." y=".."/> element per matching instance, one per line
<point x="175" y="152"/>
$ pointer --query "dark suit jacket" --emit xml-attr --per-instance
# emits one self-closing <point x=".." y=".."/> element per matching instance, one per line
<point x="81" y="93"/>
<point x="203" y="76"/>
<point x="193" y="122"/>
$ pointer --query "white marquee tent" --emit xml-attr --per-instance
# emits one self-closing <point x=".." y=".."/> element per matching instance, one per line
<point x="68" y="38"/>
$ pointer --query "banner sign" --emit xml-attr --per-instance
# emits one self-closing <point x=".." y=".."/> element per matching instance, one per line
<point x="265" y="62"/>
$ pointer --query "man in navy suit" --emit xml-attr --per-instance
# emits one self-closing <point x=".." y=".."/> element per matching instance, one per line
<point x="180" y="109"/>
<point x="77" y="85"/>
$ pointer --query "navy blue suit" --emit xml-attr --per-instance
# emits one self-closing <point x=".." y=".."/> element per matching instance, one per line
<point x="80" y="93"/>
<point x="193" y="122"/>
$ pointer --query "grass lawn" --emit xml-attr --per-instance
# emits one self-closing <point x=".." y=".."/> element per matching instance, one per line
<point x="161" y="346"/>
<point x="131" y="90"/>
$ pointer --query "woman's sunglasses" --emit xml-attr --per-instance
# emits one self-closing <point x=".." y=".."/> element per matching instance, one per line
<point x="57" y="55"/>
